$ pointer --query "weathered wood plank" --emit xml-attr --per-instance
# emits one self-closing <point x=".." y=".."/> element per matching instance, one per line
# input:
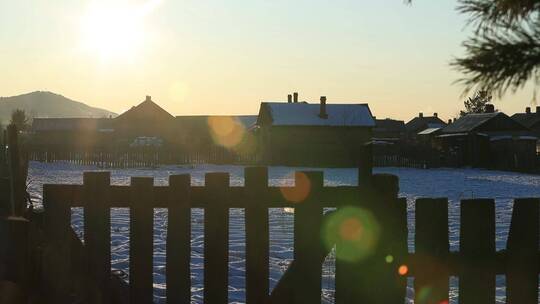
<point x="522" y="254"/>
<point x="141" y="240"/>
<point x="97" y="231"/>
<point x="16" y="172"/>
<point x="307" y="238"/>
<point x="371" y="244"/>
<point x="179" y="240"/>
<point x="431" y="244"/>
<point x="477" y="247"/>
<point x="257" y="235"/>
<point x="57" y="254"/>
<point x="216" y="239"/>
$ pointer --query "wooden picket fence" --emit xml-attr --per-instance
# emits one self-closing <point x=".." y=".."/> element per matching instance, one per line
<point x="373" y="279"/>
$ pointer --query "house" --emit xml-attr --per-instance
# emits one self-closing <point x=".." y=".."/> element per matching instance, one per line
<point x="147" y="119"/>
<point x="427" y="136"/>
<point x="531" y="121"/>
<point x="420" y="123"/>
<point x="389" y="130"/>
<point x="69" y="133"/>
<point x="306" y="134"/>
<point x="491" y="140"/>
<point x="144" y="125"/>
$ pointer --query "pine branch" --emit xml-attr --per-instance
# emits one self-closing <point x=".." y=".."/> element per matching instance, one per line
<point x="500" y="60"/>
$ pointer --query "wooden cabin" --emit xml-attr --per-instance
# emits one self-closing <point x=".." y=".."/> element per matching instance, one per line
<point x="147" y="126"/>
<point x="71" y="133"/>
<point x="490" y="140"/>
<point x="389" y="130"/>
<point x="531" y="121"/>
<point x="306" y="134"/>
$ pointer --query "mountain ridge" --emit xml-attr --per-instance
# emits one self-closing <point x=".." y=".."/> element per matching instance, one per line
<point x="45" y="104"/>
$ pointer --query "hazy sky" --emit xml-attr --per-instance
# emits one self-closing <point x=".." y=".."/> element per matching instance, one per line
<point x="226" y="56"/>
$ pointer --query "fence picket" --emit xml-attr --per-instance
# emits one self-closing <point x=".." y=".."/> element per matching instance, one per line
<point x="257" y="235"/>
<point x="97" y="231"/>
<point x="477" y="247"/>
<point x="308" y="215"/>
<point x="141" y="240"/>
<point x="522" y="259"/>
<point x="432" y="248"/>
<point x="216" y="238"/>
<point x="179" y="240"/>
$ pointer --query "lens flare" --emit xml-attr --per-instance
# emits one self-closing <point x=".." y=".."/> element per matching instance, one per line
<point x="403" y="270"/>
<point x="226" y="131"/>
<point x="300" y="191"/>
<point x="389" y="259"/>
<point x="354" y="231"/>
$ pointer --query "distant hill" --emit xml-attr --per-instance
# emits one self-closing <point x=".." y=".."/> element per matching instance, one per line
<point x="48" y="104"/>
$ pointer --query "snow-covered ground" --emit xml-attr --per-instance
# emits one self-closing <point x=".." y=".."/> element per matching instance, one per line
<point x="454" y="184"/>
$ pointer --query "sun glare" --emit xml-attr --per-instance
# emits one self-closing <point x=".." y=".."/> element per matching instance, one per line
<point x="115" y="29"/>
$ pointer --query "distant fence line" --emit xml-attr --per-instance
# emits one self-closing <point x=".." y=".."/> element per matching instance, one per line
<point x="399" y="161"/>
<point x="144" y="157"/>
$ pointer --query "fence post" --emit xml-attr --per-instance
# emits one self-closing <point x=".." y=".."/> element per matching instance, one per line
<point x="5" y="197"/>
<point x="57" y="255"/>
<point x="365" y="165"/>
<point x="522" y="255"/>
<point x="179" y="240"/>
<point x="477" y="248"/>
<point x="17" y="184"/>
<point x="17" y="250"/>
<point x="216" y="238"/>
<point x="368" y="256"/>
<point x="308" y="216"/>
<point x="257" y="235"/>
<point x="97" y="233"/>
<point x="141" y="240"/>
<point x="432" y="251"/>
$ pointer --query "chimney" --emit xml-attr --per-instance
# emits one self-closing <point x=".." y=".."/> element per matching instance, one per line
<point x="435" y="114"/>
<point x="528" y="110"/>
<point x="449" y="121"/>
<point x="454" y="120"/>
<point x="295" y="97"/>
<point x="490" y="108"/>
<point x="421" y="115"/>
<point x="148" y="98"/>
<point x="538" y="110"/>
<point x="289" y="98"/>
<point x="323" y="113"/>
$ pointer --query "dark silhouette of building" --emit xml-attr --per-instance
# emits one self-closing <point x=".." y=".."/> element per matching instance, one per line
<point x="146" y="124"/>
<point x="421" y="122"/>
<point x="489" y="140"/>
<point x="389" y="130"/>
<point x="531" y="121"/>
<point x="304" y="134"/>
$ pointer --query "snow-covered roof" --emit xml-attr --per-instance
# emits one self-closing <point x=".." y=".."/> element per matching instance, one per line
<point x="429" y="131"/>
<point x="306" y="114"/>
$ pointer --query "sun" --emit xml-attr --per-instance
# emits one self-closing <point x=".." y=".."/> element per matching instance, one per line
<point x="114" y="30"/>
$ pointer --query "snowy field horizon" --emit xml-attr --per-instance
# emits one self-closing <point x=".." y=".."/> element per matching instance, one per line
<point x="454" y="184"/>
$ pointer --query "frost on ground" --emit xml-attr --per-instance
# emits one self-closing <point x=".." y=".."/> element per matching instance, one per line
<point x="455" y="184"/>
